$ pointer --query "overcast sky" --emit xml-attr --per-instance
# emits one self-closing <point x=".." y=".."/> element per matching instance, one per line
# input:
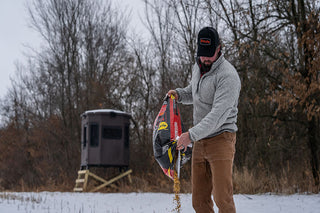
<point x="16" y="36"/>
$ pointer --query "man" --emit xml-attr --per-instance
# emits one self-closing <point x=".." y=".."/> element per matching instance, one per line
<point x="214" y="91"/>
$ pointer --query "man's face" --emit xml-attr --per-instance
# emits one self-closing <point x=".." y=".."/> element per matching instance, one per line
<point x="209" y="60"/>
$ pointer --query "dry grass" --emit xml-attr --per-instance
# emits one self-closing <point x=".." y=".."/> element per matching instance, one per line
<point x="245" y="181"/>
<point x="294" y="182"/>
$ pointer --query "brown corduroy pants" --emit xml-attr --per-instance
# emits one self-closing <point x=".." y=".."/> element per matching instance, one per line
<point x="212" y="161"/>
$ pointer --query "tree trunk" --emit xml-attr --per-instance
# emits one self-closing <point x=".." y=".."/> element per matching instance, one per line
<point x="313" y="146"/>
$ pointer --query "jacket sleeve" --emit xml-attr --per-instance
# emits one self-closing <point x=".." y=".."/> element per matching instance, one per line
<point x="185" y="95"/>
<point x="225" y="100"/>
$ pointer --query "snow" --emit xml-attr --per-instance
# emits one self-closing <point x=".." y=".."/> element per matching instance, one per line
<point x="106" y="111"/>
<point x="54" y="202"/>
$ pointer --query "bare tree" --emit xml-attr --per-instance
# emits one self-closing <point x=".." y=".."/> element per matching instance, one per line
<point x="272" y="41"/>
<point x="81" y="66"/>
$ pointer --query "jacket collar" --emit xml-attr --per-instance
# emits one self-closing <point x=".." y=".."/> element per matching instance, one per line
<point x="214" y="66"/>
<point x="217" y="63"/>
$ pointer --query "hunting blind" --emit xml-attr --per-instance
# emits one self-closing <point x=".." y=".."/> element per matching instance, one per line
<point x="105" y="138"/>
<point x="104" y="142"/>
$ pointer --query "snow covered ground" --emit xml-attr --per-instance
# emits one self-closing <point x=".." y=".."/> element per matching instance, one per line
<point x="57" y="202"/>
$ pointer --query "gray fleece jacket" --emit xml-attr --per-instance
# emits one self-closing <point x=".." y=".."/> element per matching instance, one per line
<point x="214" y="97"/>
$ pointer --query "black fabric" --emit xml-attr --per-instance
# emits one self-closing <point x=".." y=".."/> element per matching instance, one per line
<point x="208" y="41"/>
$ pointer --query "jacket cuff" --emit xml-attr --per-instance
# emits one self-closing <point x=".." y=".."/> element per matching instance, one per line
<point x="179" y="95"/>
<point x="192" y="136"/>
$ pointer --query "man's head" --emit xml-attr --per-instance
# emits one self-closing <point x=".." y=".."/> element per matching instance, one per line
<point x="208" y="45"/>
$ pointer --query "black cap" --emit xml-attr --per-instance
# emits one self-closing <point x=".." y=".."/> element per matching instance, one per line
<point x="208" y="41"/>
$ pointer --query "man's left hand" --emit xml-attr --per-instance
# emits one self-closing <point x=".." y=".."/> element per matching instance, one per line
<point x="183" y="141"/>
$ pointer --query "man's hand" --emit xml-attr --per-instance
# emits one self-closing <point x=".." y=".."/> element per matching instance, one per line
<point x="183" y="141"/>
<point x="174" y="93"/>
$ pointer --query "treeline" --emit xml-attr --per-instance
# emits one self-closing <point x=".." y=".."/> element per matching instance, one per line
<point x="90" y="59"/>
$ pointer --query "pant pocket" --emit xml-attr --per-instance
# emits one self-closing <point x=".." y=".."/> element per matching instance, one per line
<point x="221" y="147"/>
<point x="229" y="137"/>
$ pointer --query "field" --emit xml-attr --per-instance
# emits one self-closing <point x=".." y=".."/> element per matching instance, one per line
<point x="58" y="202"/>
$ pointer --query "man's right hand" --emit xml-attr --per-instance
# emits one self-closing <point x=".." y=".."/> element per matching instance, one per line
<point x="174" y="93"/>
